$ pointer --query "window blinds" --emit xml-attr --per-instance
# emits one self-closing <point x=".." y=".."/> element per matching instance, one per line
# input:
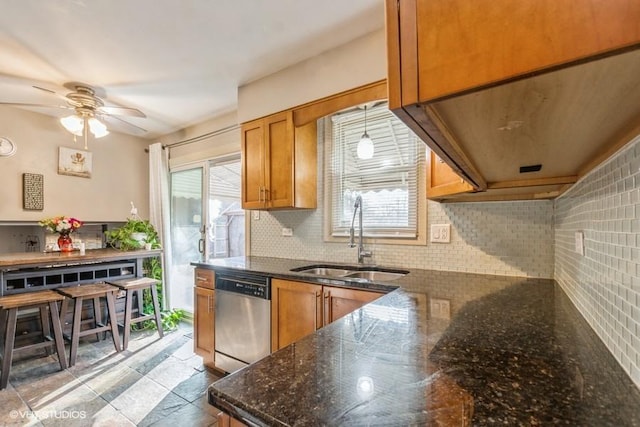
<point x="388" y="182"/>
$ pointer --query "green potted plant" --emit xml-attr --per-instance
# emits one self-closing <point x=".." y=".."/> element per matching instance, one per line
<point x="134" y="234"/>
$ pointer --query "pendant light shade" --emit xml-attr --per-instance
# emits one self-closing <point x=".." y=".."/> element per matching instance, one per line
<point x="73" y="124"/>
<point x="365" y="148"/>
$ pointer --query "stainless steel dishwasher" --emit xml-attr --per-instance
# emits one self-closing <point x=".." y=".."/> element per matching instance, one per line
<point x="242" y="320"/>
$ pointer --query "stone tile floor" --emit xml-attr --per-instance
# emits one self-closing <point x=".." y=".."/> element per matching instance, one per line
<point x="155" y="382"/>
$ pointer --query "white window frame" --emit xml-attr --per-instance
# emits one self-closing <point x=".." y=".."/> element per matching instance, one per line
<point x="419" y="240"/>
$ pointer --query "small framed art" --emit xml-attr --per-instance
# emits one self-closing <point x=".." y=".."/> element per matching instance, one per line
<point x="32" y="192"/>
<point x="74" y="162"/>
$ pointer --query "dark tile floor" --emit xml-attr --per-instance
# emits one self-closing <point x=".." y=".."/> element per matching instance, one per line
<point x="155" y="382"/>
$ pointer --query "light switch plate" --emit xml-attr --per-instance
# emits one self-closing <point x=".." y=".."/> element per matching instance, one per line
<point x="287" y="232"/>
<point x="441" y="233"/>
<point x="440" y="308"/>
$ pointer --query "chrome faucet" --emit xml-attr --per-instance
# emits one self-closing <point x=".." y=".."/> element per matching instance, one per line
<point x="357" y="207"/>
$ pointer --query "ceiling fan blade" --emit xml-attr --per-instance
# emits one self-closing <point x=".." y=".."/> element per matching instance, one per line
<point x="121" y="111"/>
<point x="22" y="104"/>
<point x="118" y="122"/>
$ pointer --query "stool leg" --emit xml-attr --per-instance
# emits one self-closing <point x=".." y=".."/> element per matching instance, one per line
<point x="156" y="309"/>
<point x="113" y="319"/>
<point x="75" y="331"/>
<point x="64" y="307"/>
<point x="97" y="316"/>
<point x="57" y="334"/>
<point x="140" y="302"/>
<point x="127" y="318"/>
<point x="9" y="341"/>
<point x="3" y="324"/>
<point x="46" y="331"/>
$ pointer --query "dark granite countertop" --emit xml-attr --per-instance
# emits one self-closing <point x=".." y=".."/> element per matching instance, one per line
<point x="506" y="351"/>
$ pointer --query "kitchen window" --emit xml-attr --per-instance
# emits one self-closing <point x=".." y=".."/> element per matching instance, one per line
<point x="390" y="183"/>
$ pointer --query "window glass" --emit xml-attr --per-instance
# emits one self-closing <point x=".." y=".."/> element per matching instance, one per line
<point x="387" y="182"/>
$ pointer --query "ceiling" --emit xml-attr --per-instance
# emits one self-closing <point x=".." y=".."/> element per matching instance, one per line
<point x="178" y="61"/>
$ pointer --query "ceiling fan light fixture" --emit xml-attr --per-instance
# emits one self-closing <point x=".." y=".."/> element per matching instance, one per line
<point x="97" y="128"/>
<point x="73" y="124"/>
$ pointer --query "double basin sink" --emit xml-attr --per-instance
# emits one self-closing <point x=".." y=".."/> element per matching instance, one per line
<point x="353" y="272"/>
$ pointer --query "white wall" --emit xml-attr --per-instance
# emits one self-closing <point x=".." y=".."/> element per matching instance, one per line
<point x="120" y="171"/>
<point x="604" y="284"/>
<point x="353" y="64"/>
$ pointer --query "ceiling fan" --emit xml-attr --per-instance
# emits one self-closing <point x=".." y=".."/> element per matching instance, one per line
<point x="89" y="108"/>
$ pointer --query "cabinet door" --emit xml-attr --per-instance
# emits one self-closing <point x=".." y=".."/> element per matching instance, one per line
<point x="442" y="180"/>
<point x="279" y="178"/>
<point x="203" y="324"/>
<point x="339" y="302"/>
<point x="296" y="311"/>
<point x="253" y="164"/>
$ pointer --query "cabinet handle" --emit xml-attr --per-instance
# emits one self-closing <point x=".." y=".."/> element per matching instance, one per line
<point x="319" y="309"/>
<point x="266" y="195"/>
<point x="327" y="307"/>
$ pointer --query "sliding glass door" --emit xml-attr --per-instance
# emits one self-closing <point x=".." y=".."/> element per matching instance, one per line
<point x="207" y="221"/>
<point x="187" y="212"/>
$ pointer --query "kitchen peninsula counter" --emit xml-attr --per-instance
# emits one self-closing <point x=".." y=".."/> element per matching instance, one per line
<point x="441" y="348"/>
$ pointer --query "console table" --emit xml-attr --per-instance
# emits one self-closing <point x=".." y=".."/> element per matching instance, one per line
<point x="31" y="271"/>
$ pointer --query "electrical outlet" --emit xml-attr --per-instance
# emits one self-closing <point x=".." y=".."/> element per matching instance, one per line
<point x="256" y="215"/>
<point x="287" y="232"/>
<point x="580" y="242"/>
<point x="441" y="233"/>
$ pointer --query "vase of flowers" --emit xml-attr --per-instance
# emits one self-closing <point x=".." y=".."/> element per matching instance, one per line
<point x="64" y="226"/>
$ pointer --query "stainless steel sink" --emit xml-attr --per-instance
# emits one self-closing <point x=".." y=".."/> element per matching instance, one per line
<point x="352" y="272"/>
<point x="325" y="271"/>
<point x="375" y="275"/>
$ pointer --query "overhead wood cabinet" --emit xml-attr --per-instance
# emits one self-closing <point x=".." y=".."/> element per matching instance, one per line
<point x="519" y="99"/>
<point x="203" y="316"/>
<point x="279" y="169"/>
<point x="299" y="309"/>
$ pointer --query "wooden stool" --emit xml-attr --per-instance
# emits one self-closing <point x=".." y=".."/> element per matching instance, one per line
<point x="78" y="294"/>
<point x="9" y="306"/>
<point x="138" y="285"/>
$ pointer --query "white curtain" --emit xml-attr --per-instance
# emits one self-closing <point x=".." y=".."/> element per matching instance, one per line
<point x="159" y="208"/>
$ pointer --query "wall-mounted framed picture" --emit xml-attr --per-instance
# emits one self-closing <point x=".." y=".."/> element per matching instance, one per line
<point x="32" y="192"/>
<point x="74" y="162"/>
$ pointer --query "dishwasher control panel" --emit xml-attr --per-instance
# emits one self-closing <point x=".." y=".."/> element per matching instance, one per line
<point x="255" y="286"/>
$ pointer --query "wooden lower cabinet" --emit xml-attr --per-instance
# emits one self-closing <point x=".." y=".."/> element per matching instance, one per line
<point x="225" y="420"/>
<point x="203" y="316"/>
<point x="296" y="311"/>
<point x="299" y="309"/>
<point x="339" y="302"/>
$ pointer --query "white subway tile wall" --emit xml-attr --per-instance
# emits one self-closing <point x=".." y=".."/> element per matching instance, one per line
<point x="505" y="238"/>
<point x="605" y="283"/>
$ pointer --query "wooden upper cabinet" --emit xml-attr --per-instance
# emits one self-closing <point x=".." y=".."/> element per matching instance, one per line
<point x="520" y="99"/>
<point x="279" y="168"/>
<point x="442" y="180"/>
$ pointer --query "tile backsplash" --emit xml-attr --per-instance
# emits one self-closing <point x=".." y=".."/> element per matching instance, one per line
<point x="605" y="283"/>
<point x="505" y="238"/>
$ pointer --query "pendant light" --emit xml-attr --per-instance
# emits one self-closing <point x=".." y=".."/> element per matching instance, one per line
<point x="365" y="145"/>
